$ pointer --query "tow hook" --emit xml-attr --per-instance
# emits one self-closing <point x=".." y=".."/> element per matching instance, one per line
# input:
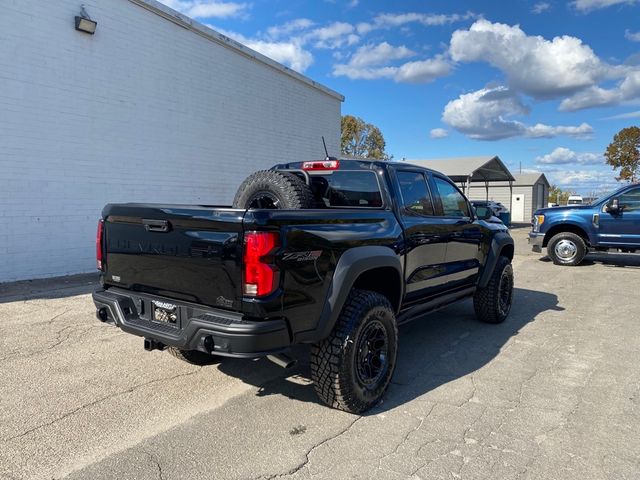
<point x="282" y="360"/>
<point x="151" y="345"/>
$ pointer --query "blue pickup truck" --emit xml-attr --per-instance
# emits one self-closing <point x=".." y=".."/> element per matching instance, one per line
<point x="568" y="233"/>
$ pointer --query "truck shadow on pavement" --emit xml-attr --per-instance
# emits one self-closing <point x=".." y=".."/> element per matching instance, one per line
<point x="434" y="350"/>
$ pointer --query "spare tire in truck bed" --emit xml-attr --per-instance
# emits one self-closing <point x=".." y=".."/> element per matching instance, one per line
<point x="273" y="189"/>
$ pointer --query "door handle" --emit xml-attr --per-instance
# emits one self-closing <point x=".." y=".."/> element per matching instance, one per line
<point x="423" y="237"/>
<point x="151" y="225"/>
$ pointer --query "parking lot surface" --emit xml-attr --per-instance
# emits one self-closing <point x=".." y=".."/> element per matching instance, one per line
<point x="553" y="393"/>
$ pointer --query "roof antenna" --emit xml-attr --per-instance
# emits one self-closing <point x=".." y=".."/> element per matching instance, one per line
<point x="326" y="152"/>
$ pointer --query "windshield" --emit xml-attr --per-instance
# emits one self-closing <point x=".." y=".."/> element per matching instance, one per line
<point x="602" y="197"/>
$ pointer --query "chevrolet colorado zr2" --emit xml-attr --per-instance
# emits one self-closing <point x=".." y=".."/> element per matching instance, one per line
<point x="331" y="253"/>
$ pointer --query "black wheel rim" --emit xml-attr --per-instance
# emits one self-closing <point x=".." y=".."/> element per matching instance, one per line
<point x="264" y="200"/>
<point x="505" y="293"/>
<point x="372" y="354"/>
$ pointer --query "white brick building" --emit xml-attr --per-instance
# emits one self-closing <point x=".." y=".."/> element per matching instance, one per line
<point x="152" y="108"/>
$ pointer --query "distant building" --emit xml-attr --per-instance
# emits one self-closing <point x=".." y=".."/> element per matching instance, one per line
<point x="529" y="192"/>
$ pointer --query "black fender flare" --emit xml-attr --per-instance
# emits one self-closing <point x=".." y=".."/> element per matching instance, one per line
<point x="498" y="243"/>
<point x="353" y="263"/>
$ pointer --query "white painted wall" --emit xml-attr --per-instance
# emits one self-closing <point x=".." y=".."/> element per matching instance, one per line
<point x="145" y="110"/>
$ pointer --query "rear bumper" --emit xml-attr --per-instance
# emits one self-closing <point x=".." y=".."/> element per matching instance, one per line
<point x="536" y="240"/>
<point x="197" y="327"/>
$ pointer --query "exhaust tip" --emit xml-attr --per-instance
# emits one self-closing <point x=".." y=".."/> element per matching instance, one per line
<point x="282" y="360"/>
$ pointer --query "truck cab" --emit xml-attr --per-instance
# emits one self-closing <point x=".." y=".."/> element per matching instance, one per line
<point x="575" y="200"/>
<point x="569" y="233"/>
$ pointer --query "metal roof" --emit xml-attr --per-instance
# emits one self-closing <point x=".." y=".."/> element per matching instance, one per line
<point x="478" y="169"/>
<point x="526" y="179"/>
<point x="210" y="34"/>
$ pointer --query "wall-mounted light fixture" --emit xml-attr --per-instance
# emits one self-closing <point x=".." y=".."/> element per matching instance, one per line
<point x="84" y="22"/>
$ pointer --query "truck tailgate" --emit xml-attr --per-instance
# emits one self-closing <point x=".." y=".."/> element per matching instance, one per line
<point x="185" y="252"/>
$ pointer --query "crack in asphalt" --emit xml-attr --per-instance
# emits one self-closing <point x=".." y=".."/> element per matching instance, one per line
<point x="155" y="460"/>
<point x="60" y="339"/>
<point x="406" y="437"/>
<point x="96" y="402"/>
<point x="306" y="461"/>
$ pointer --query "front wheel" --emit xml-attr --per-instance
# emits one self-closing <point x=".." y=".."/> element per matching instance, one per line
<point x="352" y="368"/>
<point x="492" y="303"/>
<point x="567" y="249"/>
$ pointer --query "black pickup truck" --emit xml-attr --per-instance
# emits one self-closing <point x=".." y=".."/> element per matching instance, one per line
<point x="383" y="243"/>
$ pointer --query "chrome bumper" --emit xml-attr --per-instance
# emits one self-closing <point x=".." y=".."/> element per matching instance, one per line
<point x="536" y="240"/>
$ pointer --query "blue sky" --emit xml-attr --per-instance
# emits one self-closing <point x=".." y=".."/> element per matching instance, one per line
<point x="543" y="84"/>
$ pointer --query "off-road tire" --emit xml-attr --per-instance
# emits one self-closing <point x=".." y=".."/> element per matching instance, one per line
<point x="279" y="190"/>
<point x="194" y="357"/>
<point x="487" y="301"/>
<point x="335" y="360"/>
<point x="571" y="239"/>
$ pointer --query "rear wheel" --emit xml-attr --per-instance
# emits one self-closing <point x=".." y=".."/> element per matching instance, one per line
<point x="566" y="248"/>
<point x="352" y="368"/>
<point x="273" y="190"/>
<point x="194" y="357"/>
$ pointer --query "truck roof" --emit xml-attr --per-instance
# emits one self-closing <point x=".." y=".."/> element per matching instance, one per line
<point x="359" y="162"/>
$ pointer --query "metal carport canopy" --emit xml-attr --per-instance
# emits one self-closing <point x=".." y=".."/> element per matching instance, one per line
<point x="464" y="170"/>
<point x="469" y="169"/>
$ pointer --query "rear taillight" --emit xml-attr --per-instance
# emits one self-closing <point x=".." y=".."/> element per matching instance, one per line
<point x="99" y="245"/>
<point x="259" y="273"/>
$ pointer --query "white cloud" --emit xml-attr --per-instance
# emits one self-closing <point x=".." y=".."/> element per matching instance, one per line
<point x="624" y="116"/>
<point x="438" y="133"/>
<point x="626" y="90"/>
<point x="290" y="53"/>
<point x="396" y="20"/>
<point x="371" y="62"/>
<point x="540" y="7"/>
<point x="540" y="130"/>
<point x="536" y="66"/>
<point x="566" y="156"/>
<point x="290" y="27"/>
<point x="586" y="6"/>
<point x="379" y="54"/>
<point x="367" y="73"/>
<point x="208" y="8"/>
<point x="334" y="35"/>
<point x="633" y="36"/>
<point x="483" y="114"/>
<point x="423" y="71"/>
<point x="487" y="114"/>
<point x="585" y="180"/>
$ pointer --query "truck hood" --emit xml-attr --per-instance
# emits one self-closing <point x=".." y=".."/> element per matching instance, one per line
<point x="560" y="210"/>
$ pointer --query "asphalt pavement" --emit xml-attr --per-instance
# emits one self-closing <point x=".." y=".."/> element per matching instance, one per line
<point x="553" y="393"/>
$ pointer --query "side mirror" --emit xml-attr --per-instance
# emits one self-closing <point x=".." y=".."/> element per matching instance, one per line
<point x="484" y="213"/>
<point x="614" y="206"/>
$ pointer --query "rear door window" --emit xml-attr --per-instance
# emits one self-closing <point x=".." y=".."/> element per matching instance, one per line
<point x="347" y="188"/>
<point x="416" y="199"/>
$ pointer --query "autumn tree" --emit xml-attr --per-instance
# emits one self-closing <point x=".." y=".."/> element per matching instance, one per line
<point x="362" y="139"/>
<point x="624" y="154"/>
<point x="557" y="195"/>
